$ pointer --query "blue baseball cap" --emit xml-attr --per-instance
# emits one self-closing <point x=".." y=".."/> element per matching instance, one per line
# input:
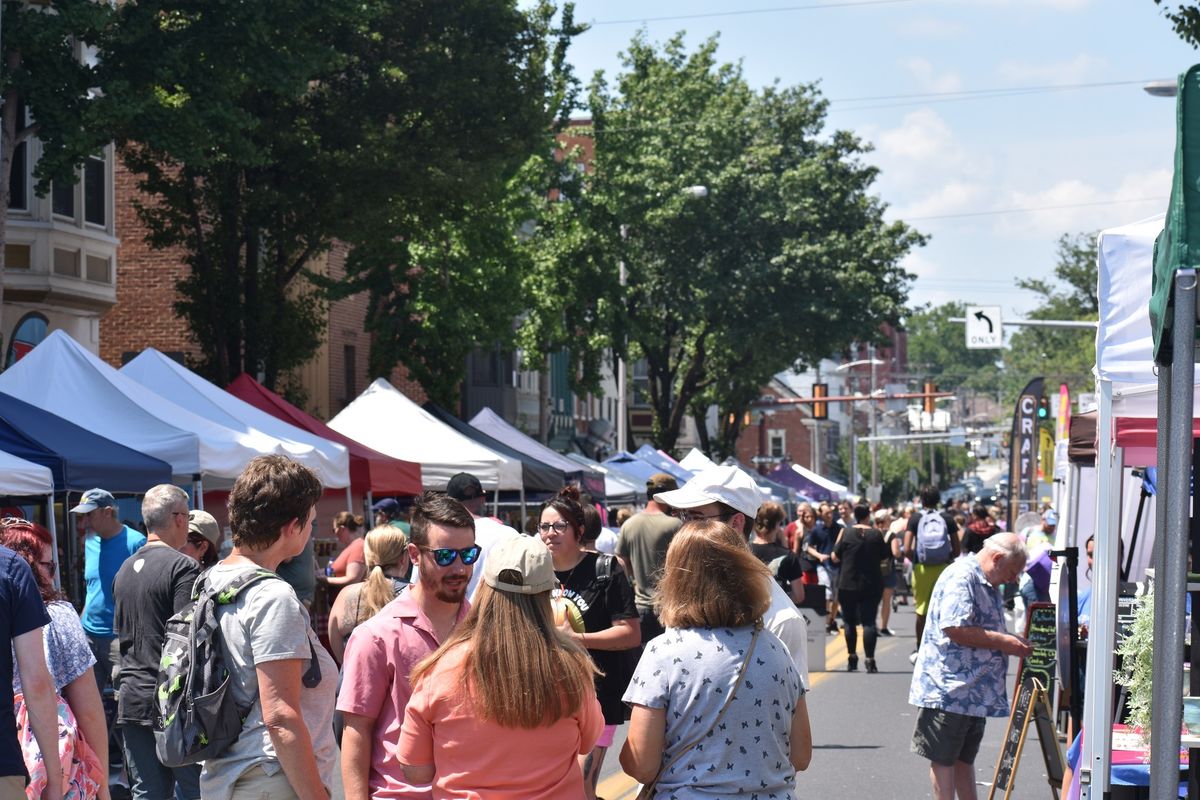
<point x="1050" y="518"/>
<point x="93" y="499"/>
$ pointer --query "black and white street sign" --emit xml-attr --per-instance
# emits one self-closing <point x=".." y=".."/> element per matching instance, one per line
<point x="983" y="328"/>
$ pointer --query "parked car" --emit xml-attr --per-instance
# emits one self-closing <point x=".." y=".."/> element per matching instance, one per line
<point x="956" y="492"/>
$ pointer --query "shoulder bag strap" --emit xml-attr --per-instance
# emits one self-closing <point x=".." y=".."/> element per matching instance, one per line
<point x="648" y="789"/>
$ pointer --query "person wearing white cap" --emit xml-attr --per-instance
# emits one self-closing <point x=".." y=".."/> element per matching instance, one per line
<point x="728" y="494"/>
<point x="504" y="706"/>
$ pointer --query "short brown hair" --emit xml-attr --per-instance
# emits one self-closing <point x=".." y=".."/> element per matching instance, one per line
<point x="270" y="493"/>
<point x="770" y="515"/>
<point x="711" y="579"/>
<point x="437" y="508"/>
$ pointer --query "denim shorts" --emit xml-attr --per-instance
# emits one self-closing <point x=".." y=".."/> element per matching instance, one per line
<point x="944" y="737"/>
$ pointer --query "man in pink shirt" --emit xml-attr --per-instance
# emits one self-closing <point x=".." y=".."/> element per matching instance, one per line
<point x="383" y="650"/>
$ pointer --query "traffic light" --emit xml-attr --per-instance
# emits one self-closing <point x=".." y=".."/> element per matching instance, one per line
<point x="929" y="403"/>
<point x="820" y="410"/>
<point x="1043" y="408"/>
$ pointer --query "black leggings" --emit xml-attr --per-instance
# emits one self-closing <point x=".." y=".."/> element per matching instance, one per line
<point x="860" y="608"/>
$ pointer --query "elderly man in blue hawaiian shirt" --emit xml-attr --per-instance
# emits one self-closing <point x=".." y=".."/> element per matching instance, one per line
<point x="961" y="670"/>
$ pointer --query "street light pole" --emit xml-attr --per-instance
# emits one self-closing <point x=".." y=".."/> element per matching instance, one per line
<point x="874" y="420"/>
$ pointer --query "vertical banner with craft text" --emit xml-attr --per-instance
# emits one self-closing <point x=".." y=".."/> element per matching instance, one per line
<point x="1023" y="453"/>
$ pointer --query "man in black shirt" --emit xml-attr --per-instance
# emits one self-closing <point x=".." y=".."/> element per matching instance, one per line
<point x="150" y="587"/>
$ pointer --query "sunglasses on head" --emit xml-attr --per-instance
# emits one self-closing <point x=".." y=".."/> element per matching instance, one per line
<point x="444" y="556"/>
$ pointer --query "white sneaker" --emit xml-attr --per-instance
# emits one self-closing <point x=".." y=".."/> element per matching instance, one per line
<point x="912" y="657"/>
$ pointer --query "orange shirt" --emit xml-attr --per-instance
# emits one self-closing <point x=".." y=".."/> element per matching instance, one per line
<point x="352" y="553"/>
<point x="476" y="758"/>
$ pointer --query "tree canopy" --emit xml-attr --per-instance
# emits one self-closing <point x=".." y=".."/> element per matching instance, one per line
<point x="937" y="350"/>
<point x="785" y="258"/>
<point x="1185" y="18"/>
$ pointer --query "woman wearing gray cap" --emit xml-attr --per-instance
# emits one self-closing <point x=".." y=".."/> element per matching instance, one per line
<point x="507" y="684"/>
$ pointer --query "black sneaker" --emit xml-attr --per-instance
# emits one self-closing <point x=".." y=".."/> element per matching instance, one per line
<point x="886" y="632"/>
<point x="871" y="668"/>
<point x="831" y="627"/>
<point x="852" y="664"/>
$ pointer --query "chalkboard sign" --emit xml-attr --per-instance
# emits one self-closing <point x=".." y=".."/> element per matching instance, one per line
<point x="1014" y="739"/>
<point x="1041" y="629"/>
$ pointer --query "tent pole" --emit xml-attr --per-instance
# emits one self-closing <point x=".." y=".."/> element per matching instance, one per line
<point x="349" y="501"/>
<point x="54" y="539"/>
<point x="1097" y="714"/>
<point x="369" y="502"/>
<point x="496" y="500"/>
<point x="198" y="492"/>
<point x="1169" y="593"/>
<point x="523" y="512"/>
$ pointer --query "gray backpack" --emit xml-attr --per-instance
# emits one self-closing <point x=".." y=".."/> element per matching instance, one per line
<point x="933" y="539"/>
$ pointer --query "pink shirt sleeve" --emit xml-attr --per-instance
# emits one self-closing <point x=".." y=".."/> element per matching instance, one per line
<point x="364" y="690"/>
<point x="415" y="746"/>
<point x="591" y="724"/>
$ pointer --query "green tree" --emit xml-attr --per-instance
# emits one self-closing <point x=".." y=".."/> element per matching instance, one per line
<point x="1185" y="19"/>
<point x="48" y="90"/>
<point x="263" y="132"/>
<point x="1062" y="356"/>
<point x="786" y="258"/>
<point x="937" y="350"/>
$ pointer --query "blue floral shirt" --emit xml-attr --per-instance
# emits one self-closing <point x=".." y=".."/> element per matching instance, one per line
<point x="953" y="677"/>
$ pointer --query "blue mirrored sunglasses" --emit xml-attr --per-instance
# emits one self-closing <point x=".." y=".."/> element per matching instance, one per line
<point x="444" y="556"/>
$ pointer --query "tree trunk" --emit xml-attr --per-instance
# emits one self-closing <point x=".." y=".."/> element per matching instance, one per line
<point x="254" y="357"/>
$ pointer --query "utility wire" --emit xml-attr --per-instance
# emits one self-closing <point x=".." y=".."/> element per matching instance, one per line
<point x="748" y="11"/>
<point x="1035" y="208"/>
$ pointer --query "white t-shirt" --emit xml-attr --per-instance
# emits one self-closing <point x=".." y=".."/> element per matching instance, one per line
<point x="786" y="622"/>
<point x="489" y="532"/>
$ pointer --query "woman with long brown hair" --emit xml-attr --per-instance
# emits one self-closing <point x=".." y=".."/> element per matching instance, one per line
<point x="504" y="706"/>
<point x="386" y="554"/>
<point x="716" y="663"/>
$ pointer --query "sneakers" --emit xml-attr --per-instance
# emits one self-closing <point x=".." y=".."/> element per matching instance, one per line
<point x="852" y="664"/>
<point x="871" y="668"/>
<point x="912" y="657"/>
<point x="886" y="632"/>
<point x="831" y="627"/>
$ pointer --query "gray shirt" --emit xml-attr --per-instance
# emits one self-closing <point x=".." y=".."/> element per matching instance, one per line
<point x="268" y="623"/>
<point x="689" y="673"/>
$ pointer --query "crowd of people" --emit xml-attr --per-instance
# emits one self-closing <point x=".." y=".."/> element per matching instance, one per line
<point x="455" y="646"/>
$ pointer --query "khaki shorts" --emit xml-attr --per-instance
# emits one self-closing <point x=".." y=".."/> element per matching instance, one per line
<point x="12" y="787"/>
<point x="256" y="784"/>
<point x="945" y="738"/>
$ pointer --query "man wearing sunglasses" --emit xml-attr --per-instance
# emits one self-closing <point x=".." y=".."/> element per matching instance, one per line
<point x="383" y="650"/>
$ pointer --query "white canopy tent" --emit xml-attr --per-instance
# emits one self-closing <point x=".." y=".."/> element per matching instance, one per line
<point x="21" y="478"/>
<point x="61" y="377"/>
<point x="695" y="461"/>
<point x="833" y="486"/>
<point x="384" y="419"/>
<point x="170" y="379"/>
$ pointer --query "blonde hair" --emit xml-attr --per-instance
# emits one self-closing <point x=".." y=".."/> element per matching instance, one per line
<point x="520" y="670"/>
<point x="384" y="546"/>
<point x="711" y="579"/>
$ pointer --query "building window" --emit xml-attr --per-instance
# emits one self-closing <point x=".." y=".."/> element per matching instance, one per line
<point x="62" y="199"/>
<point x="18" y="181"/>
<point x="777" y="442"/>
<point x="95" y="191"/>
<point x="28" y="334"/>
<point x="350" y="371"/>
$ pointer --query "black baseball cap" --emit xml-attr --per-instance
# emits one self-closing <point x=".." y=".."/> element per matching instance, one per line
<point x="464" y="486"/>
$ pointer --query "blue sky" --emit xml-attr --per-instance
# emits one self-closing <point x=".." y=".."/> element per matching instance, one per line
<point x="1100" y="156"/>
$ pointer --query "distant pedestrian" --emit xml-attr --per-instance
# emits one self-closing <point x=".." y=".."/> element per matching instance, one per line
<point x="819" y="547"/>
<point x="642" y="548"/>
<point x="154" y="584"/>
<point x="279" y="670"/>
<point x="931" y="541"/>
<point x="489" y="531"/>
<point x="858" y="552"/>
<point x="767" y="545"/>
<point x="348" y="566"/>
<point x="107" y="544"/>
<point x="978" y="529"/>
<point x="506" y="705"/>
<point x="961" y="671"/>
<point x="382" y="651"/>
<point x="204" y="539"/>
<point x="386" y="553"/>
<point x="893" y="538"/>
<point x="718" y="706"/>
<point x="596" y="537"/>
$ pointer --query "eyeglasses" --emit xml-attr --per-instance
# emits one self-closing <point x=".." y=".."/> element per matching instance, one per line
<point x="558" y="527"/>
<point x="691" y="516"/>
<point x="444" y="556"/>
<point x="196" y="540"/>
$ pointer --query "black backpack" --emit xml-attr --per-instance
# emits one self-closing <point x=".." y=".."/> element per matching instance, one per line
<point x="620" y="664"/>
<point x="197" y="716"/>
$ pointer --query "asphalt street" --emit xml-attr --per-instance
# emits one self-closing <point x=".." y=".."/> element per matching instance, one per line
<point x="862" y="725"/>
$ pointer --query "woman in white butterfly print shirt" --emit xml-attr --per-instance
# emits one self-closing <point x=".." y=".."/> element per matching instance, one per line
<point x="711" y="601"/>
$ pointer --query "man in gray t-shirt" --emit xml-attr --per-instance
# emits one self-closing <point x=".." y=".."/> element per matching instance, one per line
<point x="642" y="548"/>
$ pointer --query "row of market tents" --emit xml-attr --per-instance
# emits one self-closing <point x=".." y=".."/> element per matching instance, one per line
<point x="69" y="421"/>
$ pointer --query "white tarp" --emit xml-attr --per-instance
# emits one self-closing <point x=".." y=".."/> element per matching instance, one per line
<point x="695" y="461"/>
<point x="385" y="420"/>
<point x="833" y="486"/>
<point x="61" y="377"/>
<point x="1124" y="345"/>
<point x="22" y="478"/>
<point x="170" y="379"/>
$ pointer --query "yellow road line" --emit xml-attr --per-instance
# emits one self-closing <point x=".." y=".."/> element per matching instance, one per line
<point x="622" y="787"/>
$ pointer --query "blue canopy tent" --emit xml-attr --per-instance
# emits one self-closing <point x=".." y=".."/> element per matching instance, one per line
<point x="633" y="466"/>
<point x="663" y="464"/>
<point x="78" y="459"/>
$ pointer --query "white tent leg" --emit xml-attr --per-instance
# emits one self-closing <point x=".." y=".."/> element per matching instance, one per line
<point x="349" y="501"/>
<point x="1096" y="760"/>
<point x="198" y="492"/>
<point x="54" y="539"/>
<point x="496" y="502"/>
<point x="522" y="525"/>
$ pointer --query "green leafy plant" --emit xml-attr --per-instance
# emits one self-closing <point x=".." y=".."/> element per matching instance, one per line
<point x="1137" y="664"/>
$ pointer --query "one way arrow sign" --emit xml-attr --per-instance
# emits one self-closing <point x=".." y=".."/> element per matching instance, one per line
<point x="984" y="331"/>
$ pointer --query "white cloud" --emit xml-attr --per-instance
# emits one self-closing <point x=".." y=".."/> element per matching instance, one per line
<point x="922" y="136"/>
<point x="952" y="198"/>
<point x="931" y="81"/>
<point x="1076" y="205"/>
<point x="1079" y="69"/>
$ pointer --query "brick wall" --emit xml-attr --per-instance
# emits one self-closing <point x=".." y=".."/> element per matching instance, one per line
<point x="797" y="435"/>
<point x="143" y="316"/>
